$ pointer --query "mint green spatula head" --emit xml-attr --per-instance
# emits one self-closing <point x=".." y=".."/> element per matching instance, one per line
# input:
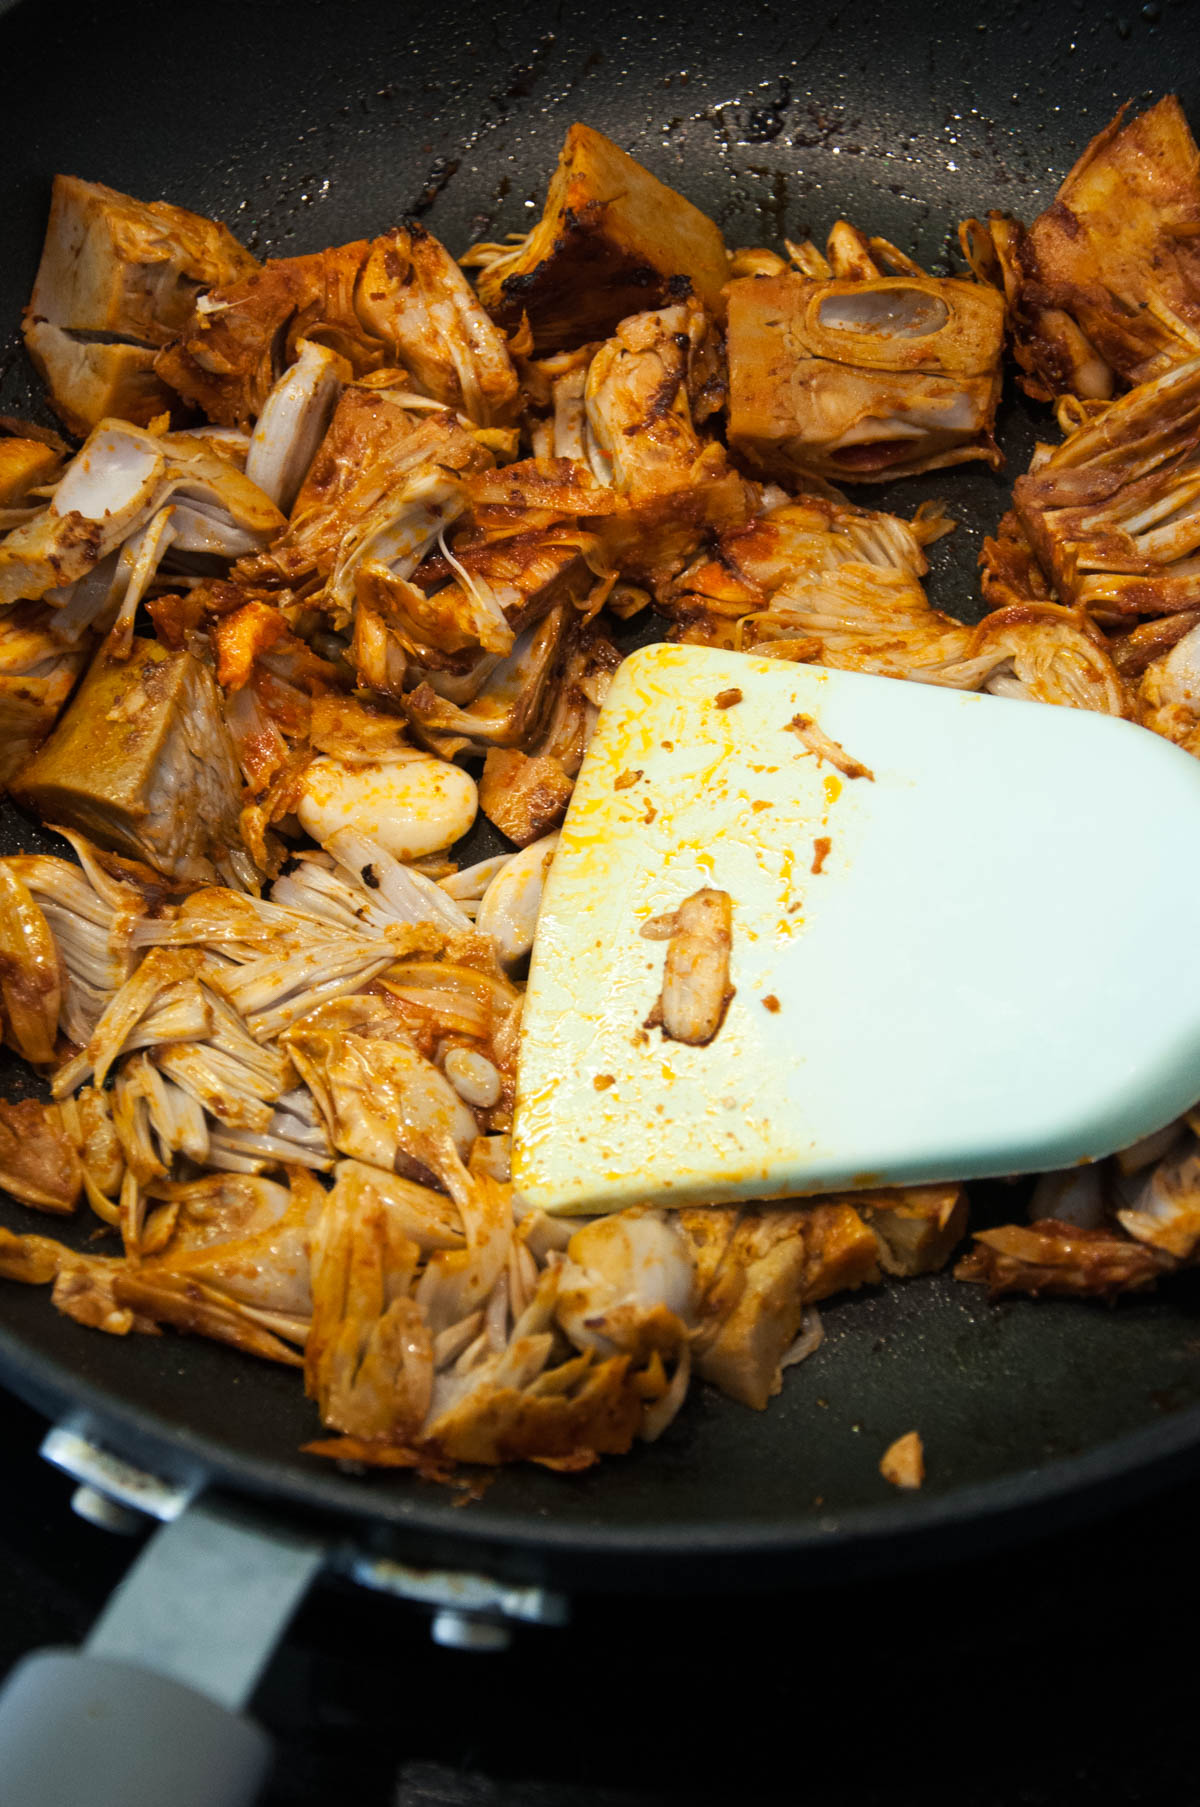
<point x="981" y="958"/>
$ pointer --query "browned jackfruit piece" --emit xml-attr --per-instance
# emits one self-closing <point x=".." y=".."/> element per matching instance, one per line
<point x="23" y="464"/>
<point x="509" y="708"/>
<point x="397" y="300"/>
<point x="90" y="381"/>
<point x="916" y="1227"/>
<point x="677" y="485"/>
<point x="1168" y="691"/>
<point x="112" y="264"/>
<point x="903" y="1462"/>
<point x="524" y="797"/>
<point x="1053" y="1257"/>
<point x="130" y="270"/>
<point x="37" y="675"/>
<point x="231" y="351"/>
<point x="1104" y="287"/>
<point x="414" y="297"/>
<point x="1113" y="514"/>
<point x="1009" y="574"/>
<point x="822" y="580"/>
<point x="366" y="452"/>
<point x="38" y="1163"/>
<point x="757" y="1271"/>
<point x="862" y="380"/>
<point x="526" y="573"/>
<point x="142" y="763"/>
<point x="612" y="241"/>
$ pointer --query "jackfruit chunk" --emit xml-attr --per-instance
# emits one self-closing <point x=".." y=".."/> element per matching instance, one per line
<point x="94" y="380"/>
<point x="23" y="464"/>
<point x="862" y="381"/>
<point x="111" y="264"/>
<point x="142" y="764"/>
<point x="1103" y="289"/>
<point x="118" y="278"/>
<point x="613" y="241"/>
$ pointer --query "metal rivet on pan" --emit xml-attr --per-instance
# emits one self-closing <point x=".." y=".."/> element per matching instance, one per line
<point x="453" y="1592"/>
<point x="121" y="1485"/>
<point x="107" y="1513"/>
<point x="466" y="1631"/>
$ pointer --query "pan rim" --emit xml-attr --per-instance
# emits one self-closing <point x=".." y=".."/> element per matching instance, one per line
<point x="1133" y="1461"/>
<point x="1136" y="1461"/>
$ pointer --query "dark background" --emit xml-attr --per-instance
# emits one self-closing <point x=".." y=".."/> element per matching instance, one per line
<point x="1061" y="1674"/>
<point x="1035" y="1675"/>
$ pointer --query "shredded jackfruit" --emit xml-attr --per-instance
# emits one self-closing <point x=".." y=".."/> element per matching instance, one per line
<point x="263" y="669"/>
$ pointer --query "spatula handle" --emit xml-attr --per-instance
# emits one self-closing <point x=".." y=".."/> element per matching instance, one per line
<point x="149" y="1714"/>
<point x="88" y="1731"/>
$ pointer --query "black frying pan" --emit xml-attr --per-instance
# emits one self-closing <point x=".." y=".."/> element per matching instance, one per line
<point x="309" y="124"/>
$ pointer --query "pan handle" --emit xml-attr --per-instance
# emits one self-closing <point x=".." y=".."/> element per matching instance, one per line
<point x="148" y="1714"/>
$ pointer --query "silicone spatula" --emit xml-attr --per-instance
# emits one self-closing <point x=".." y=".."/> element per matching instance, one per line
<point x="981" y="958"/>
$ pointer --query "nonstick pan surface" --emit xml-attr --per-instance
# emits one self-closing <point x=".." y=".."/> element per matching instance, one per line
<point x="304" y="125"/>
